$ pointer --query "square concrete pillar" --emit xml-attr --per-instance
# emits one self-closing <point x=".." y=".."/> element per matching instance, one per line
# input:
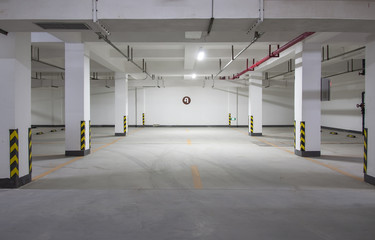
<point x="369" y="138"/>
<point x="121" y="104"/>
<point x="255" y="104"/>
<point x="307" y="105"/>
<point x="77" y="100"/>
<point x="15" y="108"/>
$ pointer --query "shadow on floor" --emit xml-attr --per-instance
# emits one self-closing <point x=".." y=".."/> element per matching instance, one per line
<point x="49" y="157"/>
<point x="341" y="158"/>
<point x="104" y="136"/>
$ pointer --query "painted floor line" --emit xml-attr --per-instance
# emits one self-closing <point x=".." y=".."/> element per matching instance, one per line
<point x="311" y="160"/>
<point x="196" y="177"/>
<point x="75" y="159"/>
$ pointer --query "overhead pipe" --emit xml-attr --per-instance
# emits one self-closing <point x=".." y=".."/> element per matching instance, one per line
<point x="327" y="60"/>
<point x="129" y="58"/>
<point x="211" y="20"/>
<point x="256" y="37"/>
<point x="103" y="29"/>
<point x="36" y="59"/>
<point x="342" y="54"/>
<point x="275" y="53"/>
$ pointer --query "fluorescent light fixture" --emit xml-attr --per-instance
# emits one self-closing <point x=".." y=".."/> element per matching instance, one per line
<point x="194" y="76"/>
<point x="201" y="55"/>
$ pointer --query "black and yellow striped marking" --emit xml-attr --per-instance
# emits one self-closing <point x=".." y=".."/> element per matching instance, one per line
<point x="90" y="134"/>
<point x="251" y="124"/>
<point x="333" y="133"/>
<point x="30" y="151"/>
<point x="143" y="119"/>
<point x="302" y="136"/>
<point x="294" y="134"/>
<point x="14" y="164"/>
<point x="230" y="119"/>
<point x="351" y="136"/>
<point x="83" y="135"/>
<point x="365" y="133"/>
<point x="125" y="124"/>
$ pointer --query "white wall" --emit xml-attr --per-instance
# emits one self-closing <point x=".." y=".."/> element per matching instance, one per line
<point x="102" y="105"/>
<point x="164" y="106"/>
<point x="47" y="106"/>
<point x="278" y="105"/>
<point x="341" y="112"/>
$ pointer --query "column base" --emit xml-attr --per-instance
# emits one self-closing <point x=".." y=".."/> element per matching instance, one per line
<point x="8" y="183"/>
<point x="369" y="179"/>
<point x="255" y="134"/>
<point x="307" y="153"/>
<point x="120" y="134"/>
<point x="78" y="153"/>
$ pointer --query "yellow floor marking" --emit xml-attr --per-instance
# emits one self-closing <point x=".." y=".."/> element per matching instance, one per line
<point x="196" y="177"/>
<point x="56" y="168"/>
<point x="75" y="159"/>
<point x="311" y="160"/>
<point x="189" y="142"/>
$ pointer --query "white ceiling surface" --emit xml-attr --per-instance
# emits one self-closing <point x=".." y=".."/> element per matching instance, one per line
<point x="156" y="31"/>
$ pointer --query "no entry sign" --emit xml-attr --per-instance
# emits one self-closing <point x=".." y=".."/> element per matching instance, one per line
<point x="186" y="100"/>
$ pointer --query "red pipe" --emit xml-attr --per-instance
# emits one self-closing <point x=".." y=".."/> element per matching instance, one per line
<point x="275" y="53"/>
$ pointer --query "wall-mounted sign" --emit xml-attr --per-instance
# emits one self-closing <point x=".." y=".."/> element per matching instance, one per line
<point x="186" y="100"/>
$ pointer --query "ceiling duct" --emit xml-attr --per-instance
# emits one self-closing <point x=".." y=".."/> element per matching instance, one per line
<point x="63" y="26"/>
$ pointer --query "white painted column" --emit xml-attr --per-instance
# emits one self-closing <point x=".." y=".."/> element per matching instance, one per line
<point x="307" y="105"/>
<point x="141" y="107"/>
<point x="77" y="100"/>
<point x="121" y="104"/>
<point x="232" y="106"/>
<point x="15" y="108"/>
<point x="255" y="104"/>
<point x="369" y="168"/>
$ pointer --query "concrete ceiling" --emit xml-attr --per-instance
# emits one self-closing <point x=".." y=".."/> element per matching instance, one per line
<point x="163" y="44"/>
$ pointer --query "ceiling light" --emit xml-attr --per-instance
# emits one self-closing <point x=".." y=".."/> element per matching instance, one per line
<point x="201" y="55"/>
<point x="194" y="76"/>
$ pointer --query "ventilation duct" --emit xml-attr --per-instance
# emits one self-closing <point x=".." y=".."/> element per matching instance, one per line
<point x="63" y="26"/>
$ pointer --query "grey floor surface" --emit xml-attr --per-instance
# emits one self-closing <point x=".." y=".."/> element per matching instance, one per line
<point x="192" y="183"/>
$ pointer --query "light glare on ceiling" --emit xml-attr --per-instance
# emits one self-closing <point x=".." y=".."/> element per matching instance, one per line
<point x="194" y="76"/>
<point x="201" y="55"/>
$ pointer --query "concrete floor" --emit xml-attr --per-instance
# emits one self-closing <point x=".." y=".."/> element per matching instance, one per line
<point x="192" y="183"/>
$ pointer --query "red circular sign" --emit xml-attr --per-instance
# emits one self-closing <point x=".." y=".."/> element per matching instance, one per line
<point x="186" y="100"/>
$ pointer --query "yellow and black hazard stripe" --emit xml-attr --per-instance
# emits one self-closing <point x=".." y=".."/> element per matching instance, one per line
<point x="230" y="119"/>
<point x="14" y="164"/>
<point x="83" y="135"/>
<point x="251" y="124"/>
<point x="302" y="136"/>
<point x="125" y="125"/>
<point x="365" y="133"/>
<point x="294" y="134"/>
<point x="90" y="134"/>
<point x="30" y="152"/>
<point x="143" y="119"/>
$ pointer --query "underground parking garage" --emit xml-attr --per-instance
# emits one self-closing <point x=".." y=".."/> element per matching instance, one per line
<point x="240" y="119"/>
